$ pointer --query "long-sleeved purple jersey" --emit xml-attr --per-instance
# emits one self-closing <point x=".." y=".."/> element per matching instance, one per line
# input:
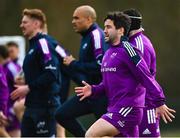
<point x="141" y="42"/>
<point x="4" y="93"/>
<point x="125" y="77"/>
<point x="11" y="70"/>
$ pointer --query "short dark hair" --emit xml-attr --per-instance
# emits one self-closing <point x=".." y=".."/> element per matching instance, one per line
<point x="120" y="20"/>
<point x="136" y="18"/>
<point x="12" y="44"/>
<point x="4" y="52"/>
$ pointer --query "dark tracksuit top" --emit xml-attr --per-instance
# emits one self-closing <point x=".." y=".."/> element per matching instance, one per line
<point x="90" y="55"/>
<point x="65" y="79"/>
<point x="42" y="73"/>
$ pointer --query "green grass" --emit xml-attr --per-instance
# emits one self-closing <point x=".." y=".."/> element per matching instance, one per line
<point x="170" y="133"/>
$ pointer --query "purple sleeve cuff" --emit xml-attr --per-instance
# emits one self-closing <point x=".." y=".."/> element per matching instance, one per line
<point x="94" y="94"/>
<point x="159" y="103"/>
<point x="97" y="91"/>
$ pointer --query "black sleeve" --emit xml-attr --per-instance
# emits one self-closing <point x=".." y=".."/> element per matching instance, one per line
<point x="49" y="65"/>
<point x="87" y="67"/>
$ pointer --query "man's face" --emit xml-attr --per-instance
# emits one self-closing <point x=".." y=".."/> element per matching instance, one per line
<point x="110" y="31"/>
<point x="13" y="52"/>
<point x="80" y="21"/>
<point x="27" y="25"/>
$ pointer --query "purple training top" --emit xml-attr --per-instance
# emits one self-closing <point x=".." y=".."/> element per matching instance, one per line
<point x="11" y="70"/>
<point x="4" y="93"/>
<point x="141" y="42"/>
<point x="125" y="74"/>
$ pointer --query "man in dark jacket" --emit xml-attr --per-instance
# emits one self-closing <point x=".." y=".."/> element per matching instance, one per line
<point x="86" y="68"/>
<point x="42" y="77"/>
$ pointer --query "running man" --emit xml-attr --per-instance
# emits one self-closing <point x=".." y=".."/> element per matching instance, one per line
<point x="149" y="126"/>
<point x="86" y="68"/>
<point x="125" y="74"/>
<point x="42" y="78"/>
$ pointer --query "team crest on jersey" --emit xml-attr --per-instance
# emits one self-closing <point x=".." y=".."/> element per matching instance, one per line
<point x="105" y="64"/>
<point x="31" y="51"/>
<point x="84" y="46"/>
<point x="113" y="55"/>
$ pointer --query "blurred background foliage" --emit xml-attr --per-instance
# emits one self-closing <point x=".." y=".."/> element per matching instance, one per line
<point x="161" y="21"/>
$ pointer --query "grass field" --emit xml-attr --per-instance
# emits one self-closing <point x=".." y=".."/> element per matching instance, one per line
<point x="170" y="133"/>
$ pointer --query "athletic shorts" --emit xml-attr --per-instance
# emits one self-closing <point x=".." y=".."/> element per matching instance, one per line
<point x="38" y="122"/>
<point x="126" y="120"/>
<point x="149" y="126"/>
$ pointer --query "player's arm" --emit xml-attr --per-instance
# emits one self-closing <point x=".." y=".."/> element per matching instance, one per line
<point x="97" y="44"/>
<point x="4" y="91"/>
<point x="49" y="65"/>
<point x="153" y="64"/>
<point x="88" y="67"/>
<point x="98" y="90"/>
<point x="93" y="91"/>
<point x="140" y="70"/>
<point x="3" y="98"/>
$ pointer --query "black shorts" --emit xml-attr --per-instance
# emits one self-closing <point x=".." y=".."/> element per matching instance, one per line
<point x="38" y="122"/>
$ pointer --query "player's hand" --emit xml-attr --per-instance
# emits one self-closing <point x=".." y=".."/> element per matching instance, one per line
<point x="68" y="59"/>
<point x="166" y="113"/>
<point x="20" y="92"/>
<point x="3" y="119"/>
<point x="83" y="92"/>
<point x="19" y="80"/>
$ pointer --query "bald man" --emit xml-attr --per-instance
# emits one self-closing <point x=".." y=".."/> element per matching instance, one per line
<point x="86" y="68"/>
